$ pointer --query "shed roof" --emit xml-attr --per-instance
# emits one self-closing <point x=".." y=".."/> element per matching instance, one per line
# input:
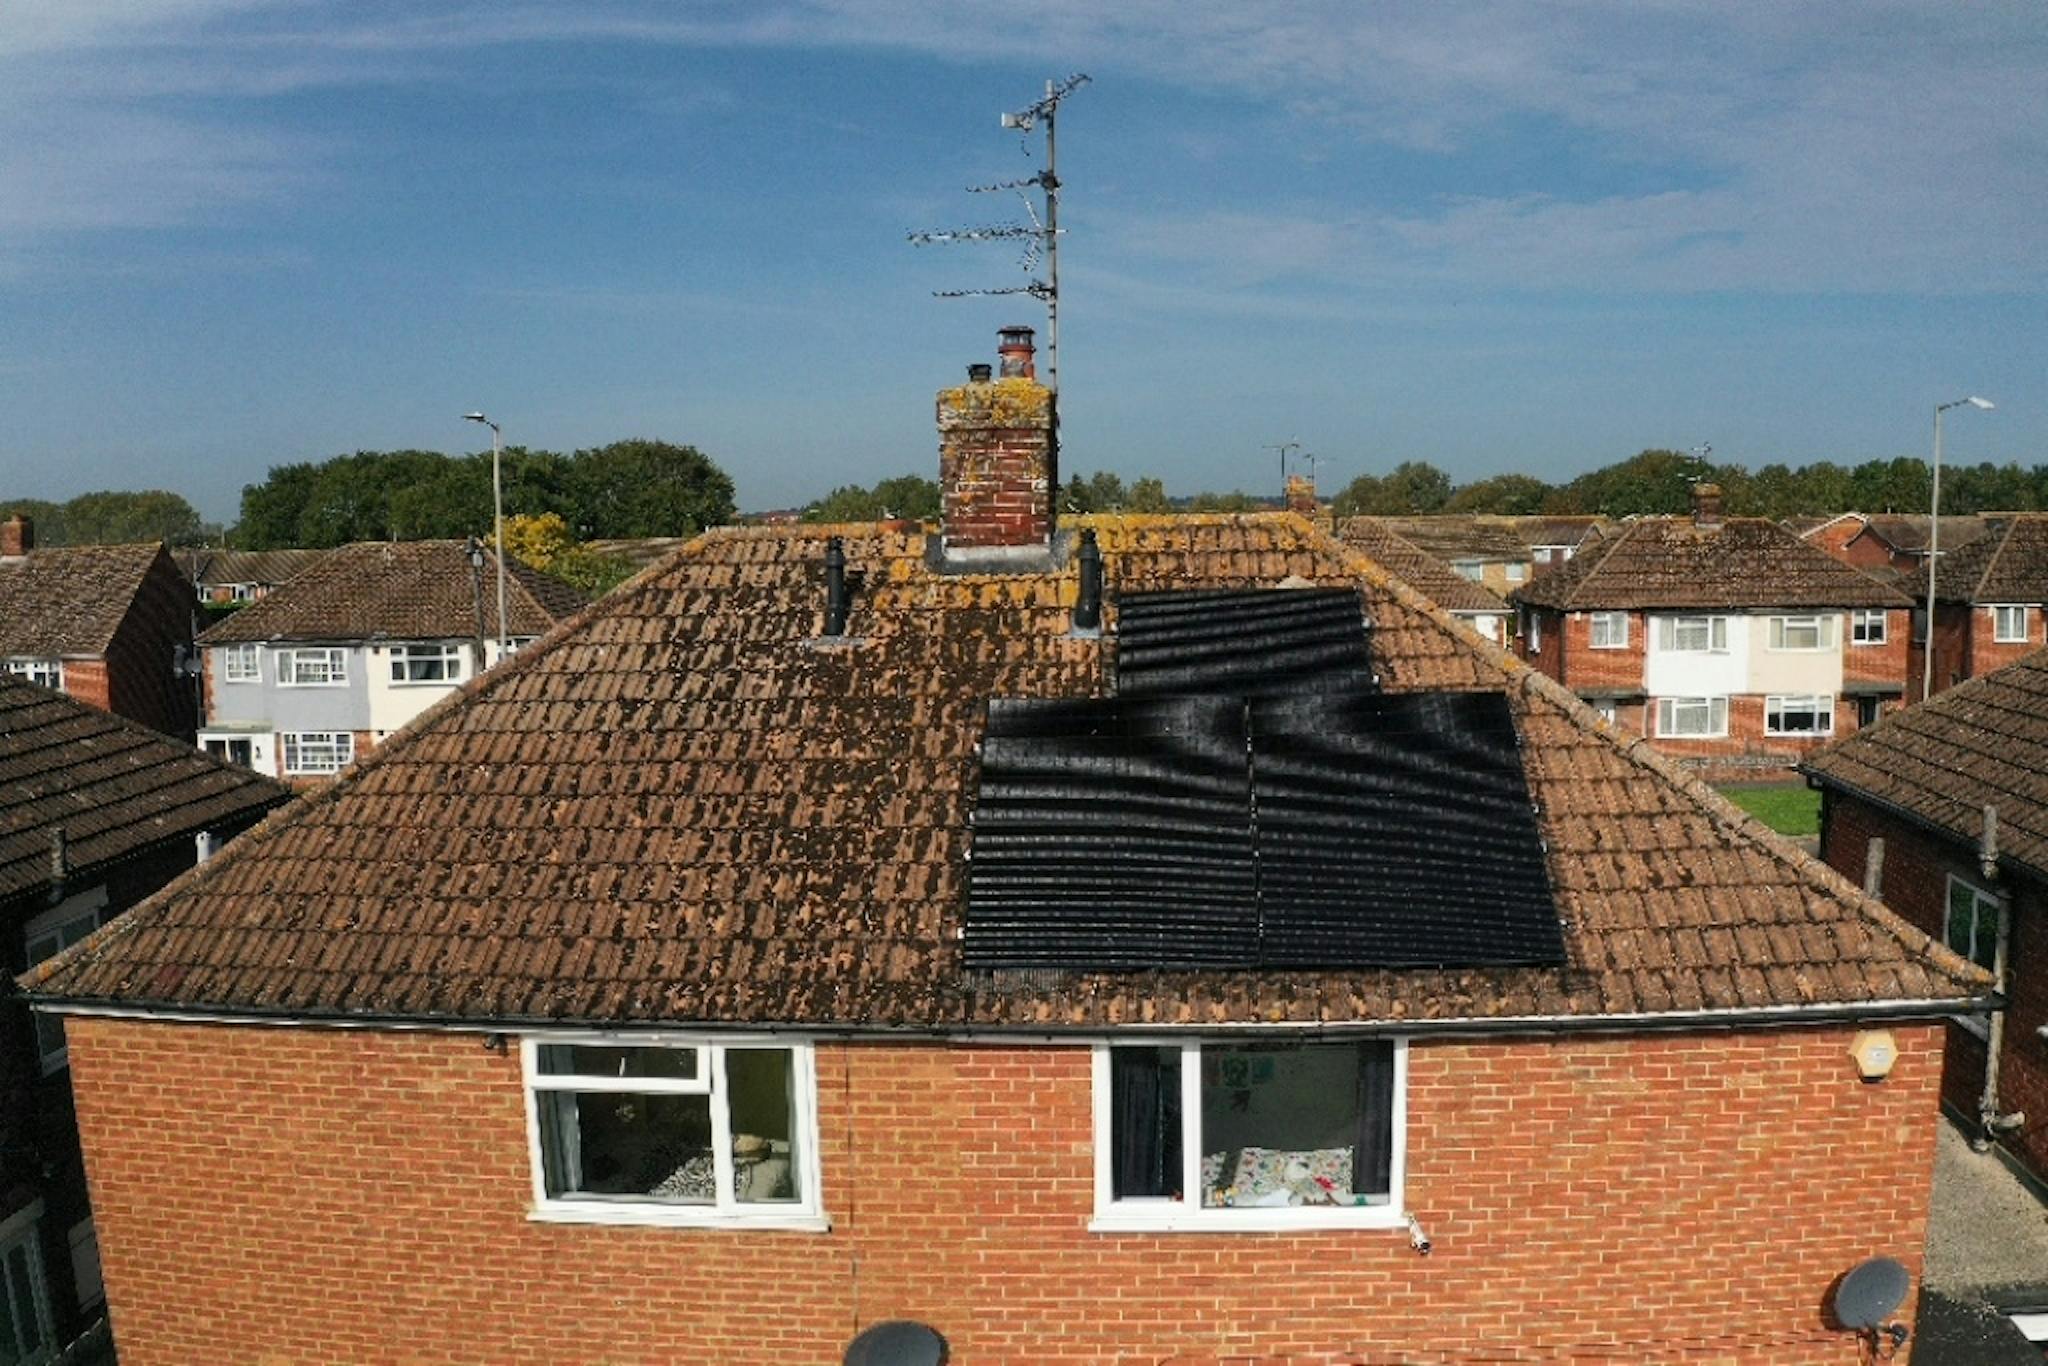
<point x="687" y="807"/>
<point x="1745" y="563"/>
<point x="397" y="590"/>
<point x="114" y="787"/>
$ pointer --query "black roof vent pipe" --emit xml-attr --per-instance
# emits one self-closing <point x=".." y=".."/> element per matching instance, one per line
<point x="835" y="587"/>
<point x="1088" y="607"/>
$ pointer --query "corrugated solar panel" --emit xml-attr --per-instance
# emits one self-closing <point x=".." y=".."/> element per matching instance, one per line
<point x="1240" y="641"/>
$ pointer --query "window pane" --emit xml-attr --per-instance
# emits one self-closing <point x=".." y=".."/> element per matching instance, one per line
<point x="10" y="1333"/>
<point x="1984" y="952"/>
<point x="1283" y="1127"/>
<point x="22" y="1290"/>
<point x="566" y="1059"/>
<point x="760" y="1089"/>
<point x="1145" y="1123"/>
<point x="622" y="1143"/>
<point x="1961" y="915"/>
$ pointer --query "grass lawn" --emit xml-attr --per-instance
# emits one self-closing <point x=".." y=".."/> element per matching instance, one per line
<point x="1788" y="808"/>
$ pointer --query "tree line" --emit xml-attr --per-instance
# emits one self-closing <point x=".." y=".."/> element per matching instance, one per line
<point x="112" y="517"/>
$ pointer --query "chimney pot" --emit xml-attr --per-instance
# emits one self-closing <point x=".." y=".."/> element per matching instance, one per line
<point x="1014" y="348"/>
<point x="1088" y="608"/>
<point x="980" y="372"/>
<point x="1706" y="505"/>
<point x="17" y="537"/>
<point x="1301" y="495"/>
<point x="835" y="587"/>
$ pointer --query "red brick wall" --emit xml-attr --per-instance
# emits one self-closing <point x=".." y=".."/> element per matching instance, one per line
<point x="1548" y="658"/>
<point x="86" y="680"/>
<point x="285" y="1196"/>
<point x="1849" y="540"/>
<point x="998" y="471"/>
<point x="1587" y="668"/>
<point x="1987" y="653"/>
<point x="1917" y="866"/>
<point x="1745" y="751"/>
<point x="1886" y="663"/>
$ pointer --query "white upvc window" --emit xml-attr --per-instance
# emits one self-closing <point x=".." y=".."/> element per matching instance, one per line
<point x="1868" y="626"/>
<point x="1469" y="569"/>
<point x="1540" y="554"/>
<point x="49" y="673"/>
<point x="1609" y="631"/>
<point x="26" y="1335"/>
<point x="1794" y="715"/>
<point x="1693" y="635"/>
<point x="632" y="1129"/>
<point x="1249" y="1137"/>
<point x="44" y="937"/>
<point x="434" y="662"/>
<point x="1517" y="571"/>
<point x="1970" y="927"/>
<point x="1532" y="630"/>
<point x="1809" y="632"/>
<point x="1607" y="709"/>
<point x="242" y="664"/>
<point x="317" y="667"/>
<point x="2009" y="624"/>
<point x="317" y="751"/>
<point x="241" y="592"/>
<point x="1695" y="718"/>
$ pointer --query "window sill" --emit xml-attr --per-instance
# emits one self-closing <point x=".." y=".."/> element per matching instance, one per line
<point x="1250" y="1220"/>
<point x="661" y="1216"/>
<point x="336" y="683"/>
<point x="429" y="683"/>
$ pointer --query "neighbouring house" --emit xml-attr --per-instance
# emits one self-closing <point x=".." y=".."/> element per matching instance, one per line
<point x="1480" y="549"/>
<point x="316" y="673"/>
<point x="1118" y="939"/>
<point x="1467" y="601"/>
<point x="1729" y="643"/>
<point x="1944" y="808"/>
<point x="1553" y="539"/>
<point x="96" y="813"/>
<point x="1906" y="539"/>
<point x="1991" y="601"/>
<point x="107" y="624"/>
<point x="225" y="576"/>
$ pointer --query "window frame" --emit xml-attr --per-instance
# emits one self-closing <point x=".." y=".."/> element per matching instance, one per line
<point x="1517" y="571"/>
<point x="1870" y="626"/>
<point x="1161" y="1215"/>
<point x="45" y="673"/>
<point x="288" y="667"/>
<point x="1716" y="628"/>
<point x="88" y="907"/>
<point x="1593" y="624"/>
<point x="22" y="1231"/>
<point x="1668" y="732"/>
<point x="1979" y="899"/>
<point x="806" y="1214"/>
<point x="451" y="655"/>
<point x="1532" y="631"/>
<point x="1823" y="625"/>
<point x="1999" y="614"/>
<point x="250" y="670"/>
<point x="291" y="741"/>
<point x="1779" y="703"/>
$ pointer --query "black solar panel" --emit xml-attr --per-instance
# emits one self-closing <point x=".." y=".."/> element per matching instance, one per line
<point x="1397" y="830"/>
<point x="1241" y="641"/>
<point x="1113" y="833"/>
<point x="1279" y="812"/>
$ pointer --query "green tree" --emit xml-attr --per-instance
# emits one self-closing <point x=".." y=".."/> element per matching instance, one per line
<point x="1411" y="488"/>
<point x="273" y="509"/>
<point x="1653" y="481"/>
<point x="1148" y="495"/>
<point x="117" y="518"/>
<point x="1101" y="491"/>
<point x="1509" y="495"/>
<point x="47" y="517"/>
<point x="1902" y="484"/>
<point x="646" y="488"/>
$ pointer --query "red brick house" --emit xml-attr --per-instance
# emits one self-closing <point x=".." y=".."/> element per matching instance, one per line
<point x="226" y="576"/>
<point x="644" y="1003"/>
<point x="1921" y="782"/>
<point x="1731" y="643"/>
<point x="96" y="813"/>
<point x="1465" y="599"/>
<point x="1991" y="600"/>
<point x="106" y="624"/>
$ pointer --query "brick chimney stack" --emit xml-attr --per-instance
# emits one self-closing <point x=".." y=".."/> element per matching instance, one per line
<point x="998" y="465"/>
<point x="1706" y="506"/>
<point x="1301" y="496"/>
<point x="17" y="537"/>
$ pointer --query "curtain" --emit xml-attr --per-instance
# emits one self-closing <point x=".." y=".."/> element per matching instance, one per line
<point x="1145" y="1128"/>
<point x="1372" y="1156"/>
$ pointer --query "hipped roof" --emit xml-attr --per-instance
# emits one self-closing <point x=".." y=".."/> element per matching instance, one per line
<point x="1744" y="563"/>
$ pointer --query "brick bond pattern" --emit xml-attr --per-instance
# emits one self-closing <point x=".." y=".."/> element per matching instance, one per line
<point x="1916" y="871"/>
<point x="288" y="1197"/>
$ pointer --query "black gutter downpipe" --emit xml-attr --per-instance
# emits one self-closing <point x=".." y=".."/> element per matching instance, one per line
<point x="1088" y="609"/>
<point x="835" y="587"/>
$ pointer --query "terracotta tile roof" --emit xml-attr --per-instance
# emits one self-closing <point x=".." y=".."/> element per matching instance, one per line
<point x="2009" y="564"/>
<point x="1981" y="742"/>
<point x="1907" y="533"/>
<point x="397" y="590"/>
<point x="638" y="551"/>
<point x="1668" y="562"/>
<point x="69" y="600"/>
<point x="114" y="787"/>
<point x="1461" y="537"/>
<point x="1557" y="530"/>
<point x="208" y="566"/>
<point x="1420" y="570"/>
<point x="685" y="806"/>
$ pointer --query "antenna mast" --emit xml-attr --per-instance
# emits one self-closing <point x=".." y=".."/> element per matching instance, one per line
<point x="1041" y="234"/>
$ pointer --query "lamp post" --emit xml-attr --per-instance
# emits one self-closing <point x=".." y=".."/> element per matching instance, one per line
<point x="498" y="520"/>
<point x="473" y="551"/>
<point x="1934" y="541"/>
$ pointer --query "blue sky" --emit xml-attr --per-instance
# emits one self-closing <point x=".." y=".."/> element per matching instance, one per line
<point x="1498" y="237"/>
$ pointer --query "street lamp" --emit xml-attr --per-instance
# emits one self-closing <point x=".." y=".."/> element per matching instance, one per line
<point x="1934" y="540"/>
<point x="498" y="519"/>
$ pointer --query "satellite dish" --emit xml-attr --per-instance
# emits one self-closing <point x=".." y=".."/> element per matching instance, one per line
<point x="898" y="1342"/>
<point x="1868" y="1295"/>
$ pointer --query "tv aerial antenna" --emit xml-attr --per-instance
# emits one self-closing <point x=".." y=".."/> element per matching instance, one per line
<point x="1283" y="447"/>
<point x="1040" y="235"/>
